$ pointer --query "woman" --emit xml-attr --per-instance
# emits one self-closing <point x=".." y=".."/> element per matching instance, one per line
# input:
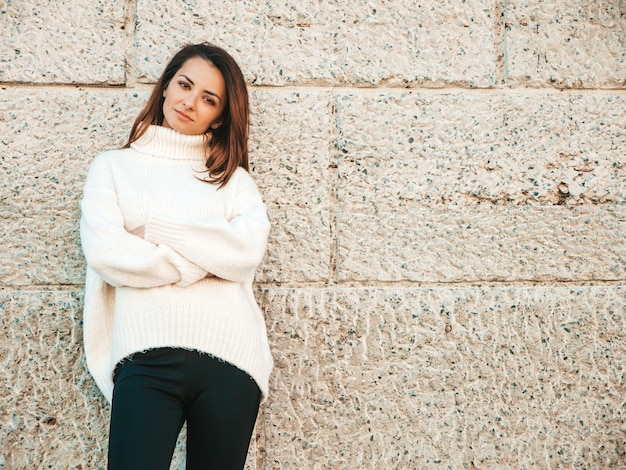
<point x="173" y="228"/>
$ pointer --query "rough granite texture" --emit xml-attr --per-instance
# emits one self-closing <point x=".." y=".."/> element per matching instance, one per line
<point x="446" y="377"/>
<point x="397" y="43"/>
<point x="63" y="42"/>
<point x="445" y="283"/>
<point x="575" y="44"/>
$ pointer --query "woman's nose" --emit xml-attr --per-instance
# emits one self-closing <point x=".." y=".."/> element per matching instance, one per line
<point x="188" y="102"/>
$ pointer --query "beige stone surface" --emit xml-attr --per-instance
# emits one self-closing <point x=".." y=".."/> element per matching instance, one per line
<point x="63" y="42"/>
<point x="502" y="376"/>
<point x="488" y="148"/>
<point x="49" y="137"/>
<point x="51" y="413"/>
<point x="446" y="377"/>
<point x="576" y="44"/>
<point x="299" y="245"/>
<point x="409" y="242"/>
<point x="291" y="145"/>
<point x="400" y="43"/>
<point x="444" y="283"/>
<point x="290" y="152"/>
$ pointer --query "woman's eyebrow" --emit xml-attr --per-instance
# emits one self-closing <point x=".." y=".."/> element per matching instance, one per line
<point x="208" y="92"/>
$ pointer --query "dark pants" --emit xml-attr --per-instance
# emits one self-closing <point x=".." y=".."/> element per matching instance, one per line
<point x="157" y="391"/>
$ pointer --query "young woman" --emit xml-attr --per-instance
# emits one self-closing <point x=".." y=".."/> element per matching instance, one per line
<point x="173" y="228"/>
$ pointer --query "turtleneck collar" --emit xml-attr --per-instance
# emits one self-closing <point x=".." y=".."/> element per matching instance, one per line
<point x="167" y="143"/>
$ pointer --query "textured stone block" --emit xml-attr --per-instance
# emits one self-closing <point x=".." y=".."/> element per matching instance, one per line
<point x="500" y="377"/>
<point x="49" y="139"/>
<point x="56" y="42"/>
<point x="407" y="43"/>
<point x="480" y="243"/>
<point x="52" y="414"/>
<point x="290" y="156"/>
<point x="575" y="44"/>
<point x="290" y="146"/>
<point x="299" y="245"/>
<point x="492" y="147"/>
<point x="278" y="43"/>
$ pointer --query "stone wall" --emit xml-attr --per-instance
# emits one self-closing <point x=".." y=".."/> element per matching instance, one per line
<point x="445" y="282"/>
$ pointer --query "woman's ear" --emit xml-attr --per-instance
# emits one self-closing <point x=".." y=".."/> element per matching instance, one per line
<point x="216" y="124"/>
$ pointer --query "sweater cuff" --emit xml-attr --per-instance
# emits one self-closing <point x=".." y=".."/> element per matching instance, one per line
<point x="160" y="231"/>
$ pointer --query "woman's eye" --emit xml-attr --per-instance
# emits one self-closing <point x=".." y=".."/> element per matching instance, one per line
<point x="183" y="85"/>
<point x="208" y="100"/>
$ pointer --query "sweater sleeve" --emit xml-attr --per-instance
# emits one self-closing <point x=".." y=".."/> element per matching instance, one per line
<point x="117" y="256"/>
<point x="229" y="249"/>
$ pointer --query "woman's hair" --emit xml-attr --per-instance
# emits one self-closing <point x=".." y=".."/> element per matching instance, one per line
<point x="227" y="146"/>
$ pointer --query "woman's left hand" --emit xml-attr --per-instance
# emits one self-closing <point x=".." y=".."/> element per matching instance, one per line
<point x="138" y="231"/>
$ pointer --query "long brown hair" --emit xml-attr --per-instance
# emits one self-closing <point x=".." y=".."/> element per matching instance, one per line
<point x="227" y="146"/>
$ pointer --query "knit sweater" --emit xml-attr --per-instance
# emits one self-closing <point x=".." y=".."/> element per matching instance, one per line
<point x="188" y="282"/>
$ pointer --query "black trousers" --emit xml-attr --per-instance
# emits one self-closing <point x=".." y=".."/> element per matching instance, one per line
<point x="157" y="391"/>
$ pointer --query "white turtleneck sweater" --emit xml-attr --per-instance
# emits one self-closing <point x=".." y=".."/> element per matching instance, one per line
<point x="188" y="283"/>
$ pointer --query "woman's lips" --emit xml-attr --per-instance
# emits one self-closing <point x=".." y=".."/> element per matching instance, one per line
<point x="183" y="116"/>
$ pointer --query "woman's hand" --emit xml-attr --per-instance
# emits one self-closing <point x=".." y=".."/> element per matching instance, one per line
<point x="138" y="231"/>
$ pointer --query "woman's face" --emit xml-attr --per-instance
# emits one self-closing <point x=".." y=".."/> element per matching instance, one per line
<point x="194" y="98"/>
